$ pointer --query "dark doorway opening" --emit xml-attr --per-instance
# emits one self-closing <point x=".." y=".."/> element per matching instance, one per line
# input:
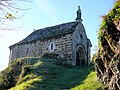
<point x="77" y="59"/>
<point x="80" y="57"/>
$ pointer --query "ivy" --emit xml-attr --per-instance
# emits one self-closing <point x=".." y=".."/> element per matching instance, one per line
<point x="111" y="16"/>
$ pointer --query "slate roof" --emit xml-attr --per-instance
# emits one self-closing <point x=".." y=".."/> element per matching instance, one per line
<point x="49" y="32"/>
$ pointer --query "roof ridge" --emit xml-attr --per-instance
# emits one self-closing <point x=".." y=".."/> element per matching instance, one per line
<point x="49" y="32"/>
<point x="56" y="25"/>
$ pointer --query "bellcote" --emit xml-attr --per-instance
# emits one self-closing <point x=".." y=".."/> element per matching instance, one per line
<point x="79" y="14"/>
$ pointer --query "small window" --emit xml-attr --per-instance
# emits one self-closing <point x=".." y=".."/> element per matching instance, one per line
<point x="51" y="46"/>
<point x="81" y="36"/>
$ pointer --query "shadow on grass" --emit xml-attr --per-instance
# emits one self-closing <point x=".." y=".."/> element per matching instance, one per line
<point x="57" y="77"/>
<point x="41" y="74"/>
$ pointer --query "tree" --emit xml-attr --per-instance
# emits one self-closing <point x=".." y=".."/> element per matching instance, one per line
<point x="11" y="10"/>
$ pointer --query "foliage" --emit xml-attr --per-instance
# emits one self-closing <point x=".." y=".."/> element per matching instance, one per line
<point x="100" y="35"/>
<point x="10" y="76"/>
<point x="108" y="20"/>
<point x="108" y="56"/>
<point x="94" y="57"/>
<point x="42" y="74"/>
<point x="111" y="16"/>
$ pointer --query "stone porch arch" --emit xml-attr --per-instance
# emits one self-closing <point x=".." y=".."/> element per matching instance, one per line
<point x="80" y="55"/>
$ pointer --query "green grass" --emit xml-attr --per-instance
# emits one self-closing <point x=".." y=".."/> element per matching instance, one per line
<point x="46" y="75"/>
<point x="90" y="83"/>
<point x="27" y="84"/>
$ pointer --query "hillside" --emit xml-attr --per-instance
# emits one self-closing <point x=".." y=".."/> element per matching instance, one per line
<point x="45" y="74"/>
<point x="107" y="59"/>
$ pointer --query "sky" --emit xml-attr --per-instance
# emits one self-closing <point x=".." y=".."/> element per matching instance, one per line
<point x="45" y="13"/>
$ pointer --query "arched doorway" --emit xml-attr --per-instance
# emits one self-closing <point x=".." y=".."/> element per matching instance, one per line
<point x="80" y="56"/>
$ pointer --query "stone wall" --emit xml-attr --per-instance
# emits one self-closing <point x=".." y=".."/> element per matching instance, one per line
<point x="89" y="45"/>
<point x="63" y="47"/>
<point x="79" y="38"/>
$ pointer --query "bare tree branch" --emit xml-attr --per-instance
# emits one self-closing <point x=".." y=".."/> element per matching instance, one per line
<point x="9" y="10"/>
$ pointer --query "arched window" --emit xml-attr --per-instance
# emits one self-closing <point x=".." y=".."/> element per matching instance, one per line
<point x="51" y="46"/>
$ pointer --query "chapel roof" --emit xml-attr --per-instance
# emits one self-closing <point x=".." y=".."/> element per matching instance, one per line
<point x="49" y="32"/>
<point x="53" y="31"/>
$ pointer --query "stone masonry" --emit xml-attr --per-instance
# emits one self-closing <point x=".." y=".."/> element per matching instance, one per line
<point x="68" y="40"/>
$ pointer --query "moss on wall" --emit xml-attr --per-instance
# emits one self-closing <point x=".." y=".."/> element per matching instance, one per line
<point x="108" y="56"/>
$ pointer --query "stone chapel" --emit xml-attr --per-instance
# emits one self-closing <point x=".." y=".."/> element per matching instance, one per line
<point x="68" y="40"/>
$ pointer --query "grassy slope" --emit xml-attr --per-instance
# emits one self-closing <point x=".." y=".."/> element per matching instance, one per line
<point x="45" y="75"/>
